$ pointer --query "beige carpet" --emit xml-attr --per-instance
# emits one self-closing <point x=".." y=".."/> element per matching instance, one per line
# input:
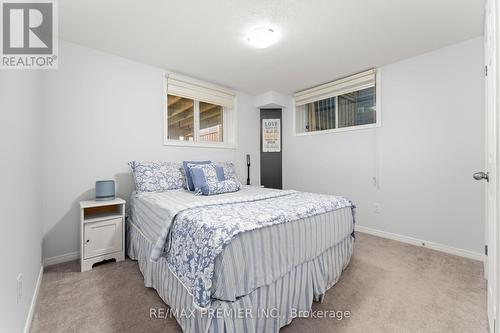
<point x="388" y="287"/>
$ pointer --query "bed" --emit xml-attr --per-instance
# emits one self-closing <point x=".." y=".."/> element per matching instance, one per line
<point x="247" y="261"/>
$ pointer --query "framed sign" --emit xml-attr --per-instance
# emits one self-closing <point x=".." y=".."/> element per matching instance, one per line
<point x="271" y="135"/>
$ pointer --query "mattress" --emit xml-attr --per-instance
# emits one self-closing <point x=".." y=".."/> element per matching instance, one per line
<point x="150" y="210"/>
<point x="255" y="258"/>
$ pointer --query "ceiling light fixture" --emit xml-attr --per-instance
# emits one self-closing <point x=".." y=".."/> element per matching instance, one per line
<point x="262" y="37"/>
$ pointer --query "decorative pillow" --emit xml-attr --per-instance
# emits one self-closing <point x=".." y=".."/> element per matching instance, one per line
<point x="220" y="173"/>
<point x="203" y="174"/>
<point x="157" y="176"/>
<point x="229" y="170"/>
<point x="189" y="180"/>
<point x="220" y="187"/>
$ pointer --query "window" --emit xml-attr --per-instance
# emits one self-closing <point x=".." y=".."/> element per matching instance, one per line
<point x="349" y="103"/>
<point x="319" y="115"/>
<point x="357" y="108"/>
<point x="211" y="124"/>
<point x="180" y="118"/>
<point x="198" y="113"/>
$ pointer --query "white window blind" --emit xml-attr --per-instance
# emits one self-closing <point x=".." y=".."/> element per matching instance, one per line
<point x="352" y="83"/>
<point x="183" y="86"/>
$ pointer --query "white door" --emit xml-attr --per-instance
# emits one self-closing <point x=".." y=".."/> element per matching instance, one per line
<point x="490" y="176"/>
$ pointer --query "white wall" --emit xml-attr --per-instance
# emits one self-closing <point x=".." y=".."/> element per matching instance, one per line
<point x="20" y="137"/>
<point x="430" y="143"/>
<point x="101" y="112"/>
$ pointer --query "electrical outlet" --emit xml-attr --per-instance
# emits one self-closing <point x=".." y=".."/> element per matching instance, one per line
<point x="376" y="208"/>
<point x="19" y="287"/>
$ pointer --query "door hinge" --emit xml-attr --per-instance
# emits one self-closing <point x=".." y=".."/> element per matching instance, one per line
<point x="485" y="70"/>
<point x="486" y="250"/>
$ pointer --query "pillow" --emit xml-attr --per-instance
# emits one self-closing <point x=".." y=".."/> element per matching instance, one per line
<point x="157" y="176"/>
<point x="203" y="174"/>
<point x="220" y="187"/>
<point x="189" y="180"/>
<point x="229" y="170"/>
<point x="208" y="180"/>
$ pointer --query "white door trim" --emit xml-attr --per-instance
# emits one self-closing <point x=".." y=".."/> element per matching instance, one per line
<point x="496" y="74"/>
<point x="492" y="145"/>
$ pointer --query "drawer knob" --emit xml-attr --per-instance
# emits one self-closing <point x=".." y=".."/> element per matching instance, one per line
<point x="88" y="240"/>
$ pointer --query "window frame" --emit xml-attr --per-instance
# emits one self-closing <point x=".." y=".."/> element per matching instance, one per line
<point x="229" y="119"/>
<point x="378" y="123"/>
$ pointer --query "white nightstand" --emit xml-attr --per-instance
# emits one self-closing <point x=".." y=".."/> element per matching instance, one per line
<point x="102" y="231"/>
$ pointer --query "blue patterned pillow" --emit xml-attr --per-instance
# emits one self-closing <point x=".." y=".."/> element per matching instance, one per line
<point x="189" y="180"/>
<point x="229" y="170"/>
<point x="209" y="179"/>
<point x="204" y="174"/>
<point x="220" y="187"/>
<point x="157" y="176"/>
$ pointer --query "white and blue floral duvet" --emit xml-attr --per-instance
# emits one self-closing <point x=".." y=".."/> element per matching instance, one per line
<point x="201" y="230"/>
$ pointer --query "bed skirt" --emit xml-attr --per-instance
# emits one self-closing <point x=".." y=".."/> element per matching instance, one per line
<point x="265" y="309"/>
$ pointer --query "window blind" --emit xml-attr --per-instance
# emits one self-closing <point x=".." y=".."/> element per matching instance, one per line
<point x="355" y="82"/>
<point x="183" y="86"/>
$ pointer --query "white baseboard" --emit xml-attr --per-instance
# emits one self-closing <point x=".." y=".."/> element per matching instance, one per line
<point x="421" y="243"/>
<point x="62" y="258"/>
<point x="31" y="312"/>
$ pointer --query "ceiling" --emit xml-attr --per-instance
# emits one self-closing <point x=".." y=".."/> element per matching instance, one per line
<point x="321" y="39"/>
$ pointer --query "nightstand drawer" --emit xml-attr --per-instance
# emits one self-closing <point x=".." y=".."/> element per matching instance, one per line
<point x="102" y="237"/>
